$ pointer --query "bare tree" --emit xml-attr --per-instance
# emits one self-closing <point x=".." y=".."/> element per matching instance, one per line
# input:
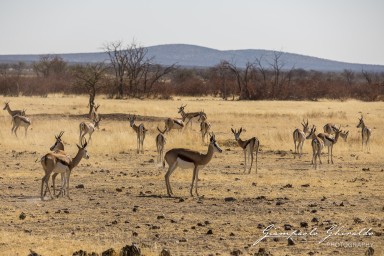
<point x="243" y="77"/>
<point x="367" y="76"/>
<point x="91" y="77"/>
<point x="349" y="76"/>
<point x="118" y="58"/>
<point x="50" y="65"/>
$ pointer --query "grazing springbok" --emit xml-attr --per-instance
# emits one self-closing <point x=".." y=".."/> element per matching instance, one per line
<point x="94" y="115"/>
<point x="160" y="143"/>
<point x="140" y="132"/>
<point x="186" y="159"/>
<point x="18" y="121"/>
<point x="330" y="141"/>
<point x="299" y="138"/>
<point x="88" y="129"/>
<point x="365" y="133"/>
<point x="330" y="128"/>
<point x="59" y="163"/>
<point x="248" y="146"/>
<point x="205" y="126"/>
<point x="173" y="124"/>
<point x="317" y="146"/>
<point x="188" y="116"/>
<point x="13" y="112"/>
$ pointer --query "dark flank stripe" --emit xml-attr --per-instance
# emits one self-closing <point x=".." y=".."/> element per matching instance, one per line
<point x="185" y="158"/>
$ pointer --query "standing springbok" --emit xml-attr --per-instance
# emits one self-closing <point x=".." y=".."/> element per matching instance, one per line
<point x="13" y="112"/>
<point x="299" y="138"/>
<point x="140" y="132"/>
<point x="173" y="124"/>
<point x="330" y="141"/>
<point x="18" y="121"/>
<point x="188" y="116"/>
<point x="344" y="135"/>
<point x="185" y="159"/>
<point x="59" y="163"/>
<point x="58" y="148"/>
<point x="94" y="115"/>
<point x="205" y="126"/>
<point x="160" y="143"/>
<point x="88" y="129"/>
<point x="365" y="133"/>
<point x="317" y="146"/>
<point x="248" y="146"/>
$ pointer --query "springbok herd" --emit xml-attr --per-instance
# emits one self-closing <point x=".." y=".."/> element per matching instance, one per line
<point x="59" y="162"/>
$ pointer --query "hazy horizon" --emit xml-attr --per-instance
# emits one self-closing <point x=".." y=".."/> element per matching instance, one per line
<point x="346" y="31"/>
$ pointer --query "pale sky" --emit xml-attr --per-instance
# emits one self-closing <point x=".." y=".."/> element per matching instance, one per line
<point x="342" y="30"/>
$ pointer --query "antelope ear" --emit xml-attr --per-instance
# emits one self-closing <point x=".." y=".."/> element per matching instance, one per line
<point x="241" y="129"/>
<point x="232" y="130"/>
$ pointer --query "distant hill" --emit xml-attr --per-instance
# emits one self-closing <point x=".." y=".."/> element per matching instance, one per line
<point x="196" y="56"/>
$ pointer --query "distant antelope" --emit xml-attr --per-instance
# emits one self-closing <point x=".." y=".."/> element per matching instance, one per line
<point x="13" y="112"/>
<point x="365" y="133"/>
<point x="330" y="128"/>
<point x="185" y="159"/>
<point x="248" y="146"/>
<point x="59" y="163"/>
<point x="173" y="124"/>
<point x="330" y="141"/>
<point x="88" y="129"/>
<point x="140" y="132"/>
<point x="187" y="117"/>
<point x="94" y="115"/>
<point x="344" y="135"/>
<point x="160" y="143"/>
<point x="18" y="121"/>
<point x="205" y="126"/>
<point x="299" y="138"/>
<point x="317" y="146"/>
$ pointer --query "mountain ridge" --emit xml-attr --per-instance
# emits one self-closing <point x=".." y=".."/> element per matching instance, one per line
<point x="186" y="55"/>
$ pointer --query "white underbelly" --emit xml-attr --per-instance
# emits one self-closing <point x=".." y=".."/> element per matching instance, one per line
<point x="61" y="168"/>
<point x="184" y="164"/>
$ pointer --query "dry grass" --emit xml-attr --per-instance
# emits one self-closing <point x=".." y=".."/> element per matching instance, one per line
<point x="115" y="164"/>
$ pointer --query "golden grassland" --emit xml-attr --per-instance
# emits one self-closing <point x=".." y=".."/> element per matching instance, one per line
<point x="284" y="190"/>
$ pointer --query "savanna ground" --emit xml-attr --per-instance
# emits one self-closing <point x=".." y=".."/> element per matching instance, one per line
<point x="119" y="197"/>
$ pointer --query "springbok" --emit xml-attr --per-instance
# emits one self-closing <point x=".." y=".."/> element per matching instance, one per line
<point x="248" y="146"/>
<point x="299" y="138"/>
<point x="173" y="124"/>
<point x="344" y="135"/>
<point x="59" y="163"/>
<point x="18" y="121"/>
<point x="317" y="146"/>
<point x="188" y="116"/>
<point x="185" y="159"/>
<point x="330" y="141"/>
<point x="13" y="112"/>
<point x="365" y="133"/>
<point x="330" y="128"/>
<point x="140" y="132"/>
<point x="160" y="143"/>
<point x="58" y="148"/>
<point x="88" y="129"/>
<point x="94" y="115"/>
<point x="205" y="126"/>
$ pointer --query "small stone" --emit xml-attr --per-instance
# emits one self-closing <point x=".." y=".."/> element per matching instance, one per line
<point x="229" y="199"/>
<point x="22" y="216"/>
<point x="80" y="186"/>
<point x="303" y="224"/>
<point x="210" y="232"/>
<point x="290" y="241"/>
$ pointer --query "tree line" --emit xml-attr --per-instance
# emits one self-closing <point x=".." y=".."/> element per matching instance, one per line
<point x="131" y="73"/>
